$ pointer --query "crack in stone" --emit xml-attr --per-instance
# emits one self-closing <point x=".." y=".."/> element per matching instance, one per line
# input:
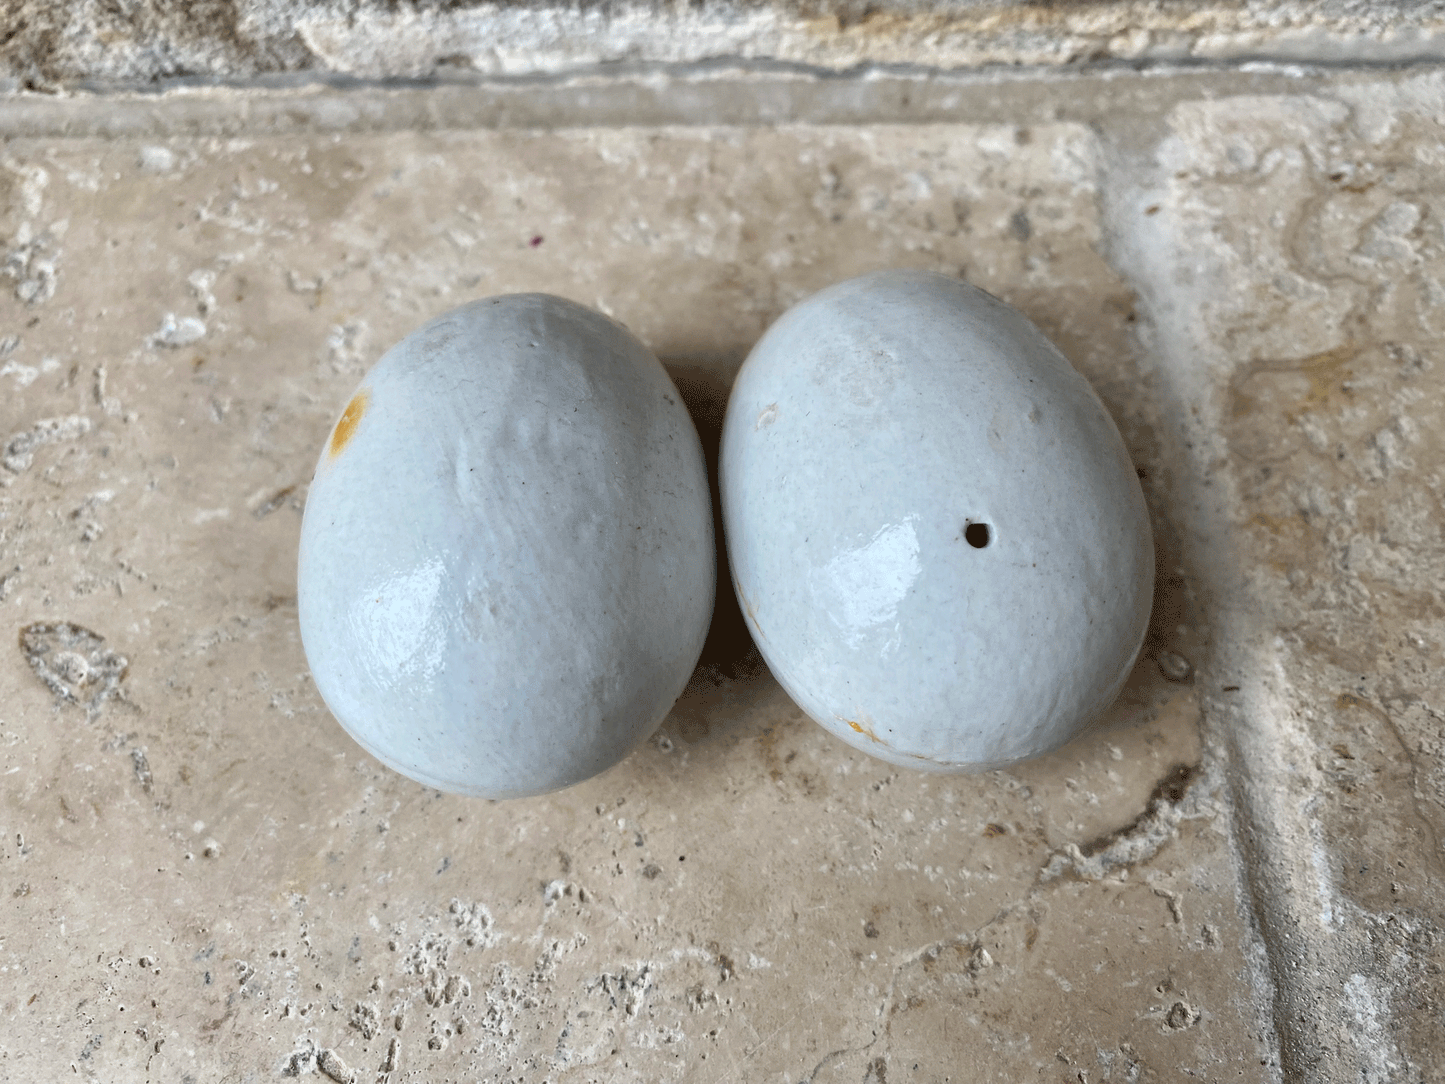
<point x="1136" y="842"/>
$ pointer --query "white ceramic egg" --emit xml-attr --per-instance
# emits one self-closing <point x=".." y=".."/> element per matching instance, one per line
<point x="507" y="562"/>
<point x="936" y="535"/>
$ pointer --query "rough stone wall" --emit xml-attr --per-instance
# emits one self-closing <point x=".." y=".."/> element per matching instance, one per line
<point x="49" y="45"/>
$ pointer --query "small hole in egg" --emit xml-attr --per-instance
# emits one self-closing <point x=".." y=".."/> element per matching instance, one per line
<point x="976" y="535"/>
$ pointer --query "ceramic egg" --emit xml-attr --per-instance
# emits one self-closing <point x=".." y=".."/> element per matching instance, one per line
<point x="936" y="535"/>
<point x="506" y="568"/>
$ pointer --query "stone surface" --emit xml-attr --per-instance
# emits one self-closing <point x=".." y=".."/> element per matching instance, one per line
<point x="1236" y="876"/>
<point x="51" y="46"/>
<point x="744" y="897"/>
<point x="1311" y="312"/>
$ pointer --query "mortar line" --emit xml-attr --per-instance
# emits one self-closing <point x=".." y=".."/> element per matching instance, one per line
<point x="718" y="94"/>
<point x="738" y="64"/>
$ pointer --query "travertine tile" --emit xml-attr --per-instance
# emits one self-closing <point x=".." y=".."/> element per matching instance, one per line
<point x="1300" y="237"/>
<point x="205" y="879"/>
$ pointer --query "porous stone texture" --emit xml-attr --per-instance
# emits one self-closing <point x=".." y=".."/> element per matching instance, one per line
<point x="1308" y="300"/>
<point x="214" y="877"/>
<point x="1234" y="876"/>
<point x="46" y="45"/>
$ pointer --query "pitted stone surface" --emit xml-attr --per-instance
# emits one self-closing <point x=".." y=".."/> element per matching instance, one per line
<point x="203" y="875"/>
<point x="1236" y="876"/>
<point x="1300" y="238"/>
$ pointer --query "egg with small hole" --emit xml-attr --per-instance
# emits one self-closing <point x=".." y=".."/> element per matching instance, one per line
<point x="506" y="567"/>
<point x="935" y="532"/>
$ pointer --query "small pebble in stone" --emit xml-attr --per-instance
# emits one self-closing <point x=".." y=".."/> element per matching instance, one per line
<point x="331" y="1064"/>
<point x="1175" y="667"/>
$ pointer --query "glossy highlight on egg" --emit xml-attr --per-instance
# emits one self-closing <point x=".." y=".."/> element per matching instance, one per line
<point x="506" y="568"/>
<point x="935" y="532"/>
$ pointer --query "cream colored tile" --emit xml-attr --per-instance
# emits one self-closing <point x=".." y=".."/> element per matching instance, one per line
<point x="204" y="876"/>
<point x="1302" y="236"/>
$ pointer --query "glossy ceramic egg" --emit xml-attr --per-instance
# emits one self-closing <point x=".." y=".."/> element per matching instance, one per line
<point x="507" y="563"/>
<point x="936" y="535"/>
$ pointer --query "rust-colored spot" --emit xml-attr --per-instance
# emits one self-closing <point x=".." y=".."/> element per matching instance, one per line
<point x="1350" y="700"/>
<point x="992" y="830"/>
<point x="751" y="612"/>
<point x="350" y="419"/>
<point x="864" y="728"/>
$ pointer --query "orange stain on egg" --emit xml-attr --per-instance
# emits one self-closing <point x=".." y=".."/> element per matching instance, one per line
<point x="862" y="728"/>
<point x="350" y="419"/>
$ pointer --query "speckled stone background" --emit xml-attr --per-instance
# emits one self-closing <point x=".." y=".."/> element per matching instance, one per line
<point x="1235" y="876"/>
